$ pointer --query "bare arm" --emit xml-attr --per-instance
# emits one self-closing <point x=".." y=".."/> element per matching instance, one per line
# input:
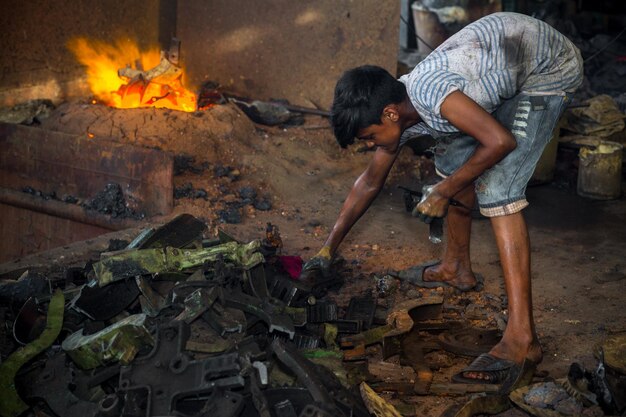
<point x="495" y="142"/>
<point x="363" y="192"/>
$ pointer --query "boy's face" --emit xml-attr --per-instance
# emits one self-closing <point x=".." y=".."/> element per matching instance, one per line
<point x="385" y="135"/>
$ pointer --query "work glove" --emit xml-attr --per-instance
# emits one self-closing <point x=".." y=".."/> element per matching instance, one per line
<point x="320" y="262"/>
<point x="432" y="205"/>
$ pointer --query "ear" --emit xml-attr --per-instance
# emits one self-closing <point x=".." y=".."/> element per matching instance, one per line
<point x="390" y="111"/>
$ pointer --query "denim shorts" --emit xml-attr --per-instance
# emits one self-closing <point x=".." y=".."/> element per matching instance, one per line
<point x="501" y="189"/>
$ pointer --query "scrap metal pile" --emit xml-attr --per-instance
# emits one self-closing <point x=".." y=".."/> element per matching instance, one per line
<point x="172" y="324"/>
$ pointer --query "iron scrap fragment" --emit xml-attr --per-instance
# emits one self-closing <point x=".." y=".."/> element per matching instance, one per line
<point x="119" y="342"/>
<point x="12" y="405"/>
<point x="105" y="303"/>
<point x="222" y="403"/>
<point x="327" y="392"/>
<point x="225" y="320"/>
<point x="52" y="385"/>
<point x="321" y="312"/>
<point x="179" y="232"/>
<point x="152" y="385"/>
<point x="197" y="303"/>
<point x="362" y="309"/>
<point x="151" y="301"/>
<point x="151" y="261"/>
<point x="269" y="313"/>
<point x="16" y="293"/>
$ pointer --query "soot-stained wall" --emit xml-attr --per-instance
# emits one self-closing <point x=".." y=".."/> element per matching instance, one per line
<point x="34" y="59"/>
<point x="268" y="49"/>
<point x="283" y="48"/>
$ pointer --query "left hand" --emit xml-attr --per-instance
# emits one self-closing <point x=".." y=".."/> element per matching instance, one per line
<point x="431" y="205"/>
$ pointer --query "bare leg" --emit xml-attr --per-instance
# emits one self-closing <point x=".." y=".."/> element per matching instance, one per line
<point x="519" y="340"/>
<point x="455" y="266"/>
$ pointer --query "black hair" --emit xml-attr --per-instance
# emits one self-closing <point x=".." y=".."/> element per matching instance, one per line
<point x="361" y="94"/>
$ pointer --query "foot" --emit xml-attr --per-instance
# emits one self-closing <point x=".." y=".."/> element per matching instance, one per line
<point x="456" y="276"/>
<point x="514" y="352"/>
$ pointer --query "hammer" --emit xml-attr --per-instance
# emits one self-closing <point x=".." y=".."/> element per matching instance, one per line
<point x="435" y="232"/>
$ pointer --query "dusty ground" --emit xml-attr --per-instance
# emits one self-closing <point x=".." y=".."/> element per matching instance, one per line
<point x="578" y="245"/>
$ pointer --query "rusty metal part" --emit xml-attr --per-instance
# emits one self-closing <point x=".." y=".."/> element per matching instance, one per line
<point x="400" y="321"/>
<point x="375" y="404"/>
<point x="11" y="404"/>
<point x="366" y="338"/>
<point x="412" y="350"/>
<point x="152" y="385"/>
<point x="486" y="404"/>
<point x="469" y="341"/>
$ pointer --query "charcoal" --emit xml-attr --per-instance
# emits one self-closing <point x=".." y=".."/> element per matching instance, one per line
<point x="231" y="215"/>
<point x="263" y="204"/>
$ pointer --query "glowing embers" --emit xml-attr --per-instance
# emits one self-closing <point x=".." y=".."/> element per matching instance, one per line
<point x="117" y="77"/>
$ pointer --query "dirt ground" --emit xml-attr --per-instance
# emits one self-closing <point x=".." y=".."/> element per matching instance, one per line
<point x="578" y="245"/>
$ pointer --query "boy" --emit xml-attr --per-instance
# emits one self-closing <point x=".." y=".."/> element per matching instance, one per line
<point x="491" y="96"/>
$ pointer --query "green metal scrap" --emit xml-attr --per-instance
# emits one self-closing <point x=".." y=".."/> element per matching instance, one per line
<point x="118" y="342"/>
<point x="11" y="404"/>
<point x="330" y="335"/>
<point x="151" y="261"/>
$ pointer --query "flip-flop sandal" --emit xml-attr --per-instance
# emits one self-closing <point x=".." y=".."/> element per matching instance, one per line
<point x="415" y="276"/>
<point x="496" y="370"/>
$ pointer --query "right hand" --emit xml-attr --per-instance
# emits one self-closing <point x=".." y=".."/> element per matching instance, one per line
<point x="432" y="205"/>
<point x="320" y="262"/>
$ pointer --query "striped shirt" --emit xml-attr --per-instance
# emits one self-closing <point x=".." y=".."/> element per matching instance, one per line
<point x="491" y="60"/>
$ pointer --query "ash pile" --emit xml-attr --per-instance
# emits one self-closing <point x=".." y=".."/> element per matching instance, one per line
<point x="172" y="324"/>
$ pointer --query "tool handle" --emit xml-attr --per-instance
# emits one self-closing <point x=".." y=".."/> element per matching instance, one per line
<point x="435" y="234"/>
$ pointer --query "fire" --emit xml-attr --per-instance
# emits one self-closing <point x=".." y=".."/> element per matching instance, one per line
<point x="116" y="75"/>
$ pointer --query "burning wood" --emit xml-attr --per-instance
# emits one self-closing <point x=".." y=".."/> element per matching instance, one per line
<point x="117" y="83"/>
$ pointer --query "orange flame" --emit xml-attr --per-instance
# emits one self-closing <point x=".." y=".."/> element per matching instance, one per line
<point x="103" y="62"/>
